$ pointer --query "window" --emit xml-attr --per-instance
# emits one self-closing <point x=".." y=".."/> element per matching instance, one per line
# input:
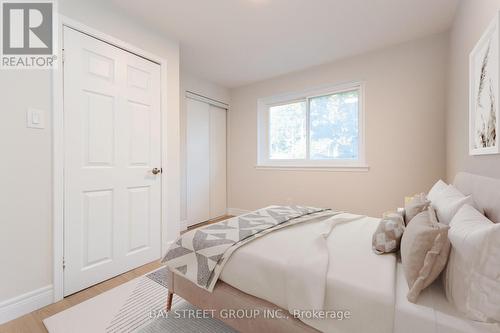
<point x="287" y="131"/>
<point x="318" y="129"/>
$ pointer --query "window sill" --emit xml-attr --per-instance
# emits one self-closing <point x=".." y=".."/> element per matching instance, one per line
<point x="328" y="168"/>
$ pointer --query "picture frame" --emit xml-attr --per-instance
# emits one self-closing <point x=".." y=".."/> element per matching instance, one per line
<point x="484" y="73"/>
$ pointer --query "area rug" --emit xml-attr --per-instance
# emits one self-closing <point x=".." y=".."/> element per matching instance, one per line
<point x="135" y="306"/>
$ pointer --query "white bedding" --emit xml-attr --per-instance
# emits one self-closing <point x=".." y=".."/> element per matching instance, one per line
<point x="357" y="279"/>
<point x="432" y="313"/>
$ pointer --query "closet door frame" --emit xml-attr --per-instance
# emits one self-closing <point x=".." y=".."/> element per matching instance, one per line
<point x="212" y="103"/>
<point x="207" y="100"/>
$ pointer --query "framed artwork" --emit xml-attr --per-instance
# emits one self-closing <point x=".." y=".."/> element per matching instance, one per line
<point x="483" y="95"/>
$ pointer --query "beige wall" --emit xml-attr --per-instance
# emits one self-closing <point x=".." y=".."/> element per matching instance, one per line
<point x="472" y="18"/>
<point x="405" y="140"/>
<point x="193" y="83"/>
<point x="25" y="195"/>
<point x="25" y="184"/>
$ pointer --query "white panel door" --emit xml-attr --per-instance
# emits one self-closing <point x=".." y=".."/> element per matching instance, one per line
<point x="217" y="162"/>
<point x="112" y="133"/>
<point x="198" y="161"/>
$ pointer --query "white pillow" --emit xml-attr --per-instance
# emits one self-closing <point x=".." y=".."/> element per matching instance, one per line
<point x="447" y="203"/>
<point x="436" y="189"/>
<point x="472" y="281"/>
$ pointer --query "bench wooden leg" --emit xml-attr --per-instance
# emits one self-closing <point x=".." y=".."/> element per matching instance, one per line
<point x="169" y="300"/>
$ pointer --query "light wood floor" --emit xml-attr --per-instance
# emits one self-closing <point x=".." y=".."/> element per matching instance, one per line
<point x="32" y="322"/>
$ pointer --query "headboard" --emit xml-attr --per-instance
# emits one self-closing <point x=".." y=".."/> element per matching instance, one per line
<point x="485" y="192"/>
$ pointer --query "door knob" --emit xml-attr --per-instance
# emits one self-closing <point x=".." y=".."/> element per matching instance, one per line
<point x="156" y="171"/>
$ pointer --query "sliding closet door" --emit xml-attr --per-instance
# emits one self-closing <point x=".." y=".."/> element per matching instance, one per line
<point x="217" y="162"/>
<point x="198" y="161"/>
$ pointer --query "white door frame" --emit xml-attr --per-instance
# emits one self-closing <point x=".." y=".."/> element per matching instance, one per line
<point x="58" y="142"/>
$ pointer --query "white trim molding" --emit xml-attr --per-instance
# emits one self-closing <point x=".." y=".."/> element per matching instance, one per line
<point x="237" y="211"/>
<point x="25" y="303"/>
<point x="207" y="100"/>
<point x="348" y="168"/>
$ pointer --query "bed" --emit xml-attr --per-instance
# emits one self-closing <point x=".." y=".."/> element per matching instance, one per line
<point x="372" y="287"/>
<point x="432" y="313"/>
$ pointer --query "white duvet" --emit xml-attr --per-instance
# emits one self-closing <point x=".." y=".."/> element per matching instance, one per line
<point x="306" y="267"/>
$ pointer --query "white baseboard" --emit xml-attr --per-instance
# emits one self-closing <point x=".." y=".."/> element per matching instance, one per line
<point x="237" y="211"/>
<point x="26" y="303"/>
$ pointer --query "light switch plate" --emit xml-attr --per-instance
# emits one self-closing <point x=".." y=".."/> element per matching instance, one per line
<point x="35" y="118"/>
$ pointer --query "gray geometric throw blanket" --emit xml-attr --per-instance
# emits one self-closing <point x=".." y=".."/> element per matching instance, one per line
<point x="200" y="254"/>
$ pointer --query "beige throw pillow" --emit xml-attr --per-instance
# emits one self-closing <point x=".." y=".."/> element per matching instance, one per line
<point x="415" y="206"/>
<point x="424" y="251"/>
<point x="387" y="237"/>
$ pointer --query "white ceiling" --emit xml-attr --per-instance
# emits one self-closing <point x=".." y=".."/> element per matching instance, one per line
<point x="235" y="42"/>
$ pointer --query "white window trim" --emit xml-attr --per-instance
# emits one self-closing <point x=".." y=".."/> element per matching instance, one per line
<point x="263" y="161"/>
